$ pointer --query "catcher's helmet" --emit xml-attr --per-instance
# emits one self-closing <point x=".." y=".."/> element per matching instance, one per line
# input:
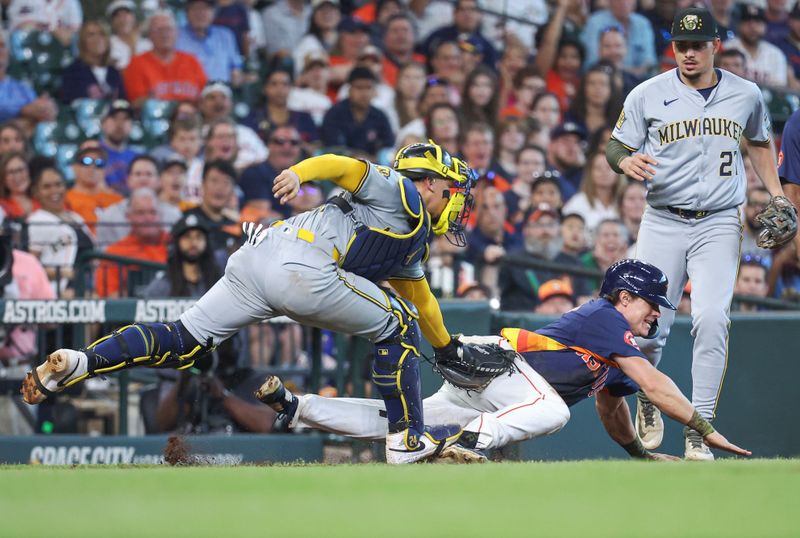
<point x="421" y="160"/>
<point x="639" y="278"/>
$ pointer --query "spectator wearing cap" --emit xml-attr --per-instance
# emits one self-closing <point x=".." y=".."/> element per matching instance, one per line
<point x="353" y="37"/>
<point x="146" y="241"/>
<point x="641" y="40"/>
<point x="213" y="46"/>
<point x="216" y="103"/>
<point x="790" y="44"/>
<point x="491" y="238"/>
<point x="172" y="179"/>
<point x="555" y="297"/>
<point x="219" y="182"/>
<point x="353" y="122"/>
<point x="398" y="44"/>
<point x="471" y="53"/>
<point x="466" y="23"/>
<point x="234" y="15"/>
<point x="115" y="129"/>
<point x="90" y="190"/>
<point x="275" y="111"/>
<point x="766" y="64"/>
<point x="371" y="57"/>
<point x="546" y="190"/>
<point x="62" y="18"/>
<point x="256" y="181"/>
<point x="56" y="235"/>
<point x="573" y="235"/>
<point x="112" y="225"/>
<point x="92" y="74"/>
<point x="310" y="92"/>
<point x="126" y="40"/>
<point x="285" y="21"/>
<point x="599" y="191"/>
<point x="322" y="32"/>
<point x="17" y="98"/>
<point x="519" y="286"/>
<point x="191" y="266"/>
<point x="164" y="72"/>
<point x="566" y="156"/>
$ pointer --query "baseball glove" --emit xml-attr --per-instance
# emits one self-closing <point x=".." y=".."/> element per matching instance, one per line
<point x="473" y="366"/>
<point x="779" y="219"/>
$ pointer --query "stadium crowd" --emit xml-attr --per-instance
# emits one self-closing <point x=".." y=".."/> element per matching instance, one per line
<point x="151" y="130"/>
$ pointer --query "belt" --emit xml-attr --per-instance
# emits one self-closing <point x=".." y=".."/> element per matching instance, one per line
<point x="309" y="237"/>
<point x="689" y="214"/>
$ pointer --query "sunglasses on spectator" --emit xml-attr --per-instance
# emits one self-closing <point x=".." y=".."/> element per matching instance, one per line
<point x="284" y="141"/>
<point x="89" y="161"/>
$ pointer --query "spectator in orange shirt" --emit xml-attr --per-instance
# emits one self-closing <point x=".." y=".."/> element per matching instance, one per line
<point x="146" y="241"/>
<point x="164" y="72"/>
<point x="90" y="190"/>
<point x="398" y="42"/>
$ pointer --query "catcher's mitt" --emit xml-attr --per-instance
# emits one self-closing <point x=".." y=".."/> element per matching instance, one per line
<point x="473" y="366"/>
<point x="779" y="219"/>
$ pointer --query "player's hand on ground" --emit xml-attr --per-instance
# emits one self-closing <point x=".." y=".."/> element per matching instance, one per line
<point x="657" y="456"/>
<point x="717" y="440"/>
<point x="286" y="186"/>
<point x="638" y="166"/>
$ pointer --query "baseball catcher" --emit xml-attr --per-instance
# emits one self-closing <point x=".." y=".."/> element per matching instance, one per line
<point x="320" y="268"/>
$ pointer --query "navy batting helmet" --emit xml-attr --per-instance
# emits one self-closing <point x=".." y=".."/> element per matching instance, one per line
<point x="639" y="278"/>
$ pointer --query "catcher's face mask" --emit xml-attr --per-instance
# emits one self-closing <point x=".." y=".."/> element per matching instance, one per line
<point x="454" y="217"/>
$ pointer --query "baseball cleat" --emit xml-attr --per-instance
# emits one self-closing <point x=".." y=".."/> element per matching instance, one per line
<point x="274" y="394"/>
<point x="456" y="453"/>
<point x="649" y="425"/>
<point x="408" y="446"/>
<point x="53" y="375"/>
<point x="695" y="448"/>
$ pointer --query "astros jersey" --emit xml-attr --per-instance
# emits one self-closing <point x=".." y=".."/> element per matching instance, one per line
<point x="576" y="354"/>
<point x="789" y="157"/>
<point x="377" y="203"/>
<point x="694" y="141"/>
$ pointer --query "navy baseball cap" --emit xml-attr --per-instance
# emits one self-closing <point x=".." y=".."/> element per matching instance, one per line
<point x="694" y="24"/>
<point x="749" y="12"/>
<point x="353" y="24"/>
<point x="569" y="128"/>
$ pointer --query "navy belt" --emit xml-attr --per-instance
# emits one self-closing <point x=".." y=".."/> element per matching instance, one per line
<point x="689" y="214"/>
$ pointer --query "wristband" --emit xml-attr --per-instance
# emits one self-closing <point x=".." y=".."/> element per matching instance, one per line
<point x="700" y="425"/>
<point x="636" y="449"/>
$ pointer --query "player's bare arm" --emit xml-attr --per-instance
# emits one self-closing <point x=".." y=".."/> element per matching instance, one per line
<point x="616" y="418"/>
<point x="663" y="392"/>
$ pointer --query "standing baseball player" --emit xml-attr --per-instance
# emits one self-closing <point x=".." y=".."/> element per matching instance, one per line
<point x="589" y="351"/>
<point x="320" y="269"/>
<point x="680" y="132"/>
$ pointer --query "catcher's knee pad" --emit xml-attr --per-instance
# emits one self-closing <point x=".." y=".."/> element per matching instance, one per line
<point x="395" y="370"/>
<point x="146" y="344"/>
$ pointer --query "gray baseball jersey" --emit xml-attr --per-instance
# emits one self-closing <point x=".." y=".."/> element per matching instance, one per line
<point x="694" y="141"/>
<point x="377" y="203"/>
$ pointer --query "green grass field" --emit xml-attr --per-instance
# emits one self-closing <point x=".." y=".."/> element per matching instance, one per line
<point x="590" y="498"/>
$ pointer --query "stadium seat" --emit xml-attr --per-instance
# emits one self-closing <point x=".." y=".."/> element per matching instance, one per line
<point x="88" y="115"/>
<point x="155" y="118"/>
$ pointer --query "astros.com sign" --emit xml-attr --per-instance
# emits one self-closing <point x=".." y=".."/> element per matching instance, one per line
<point x="94" y="311"/>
